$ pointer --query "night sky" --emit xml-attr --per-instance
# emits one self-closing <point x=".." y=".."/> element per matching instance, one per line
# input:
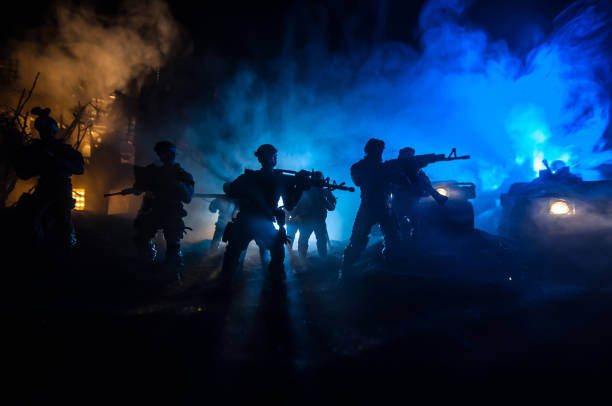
<point x="254" y="30"/>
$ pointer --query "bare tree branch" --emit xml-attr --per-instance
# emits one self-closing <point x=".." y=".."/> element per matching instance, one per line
<point x="29" y="93"/>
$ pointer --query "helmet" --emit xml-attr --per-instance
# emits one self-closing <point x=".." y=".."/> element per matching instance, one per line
<point x="556" y="165"/>
<point x="407" y="152"/>
<point x="374" y="146"/>
<point x="265" y="150"/>
<point x="317" y="175"/>
<point x="43" y="123"/>
<point x="163" y="146"/>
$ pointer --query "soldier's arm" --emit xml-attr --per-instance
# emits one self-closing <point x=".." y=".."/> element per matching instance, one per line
<point x="214" y="206"/>
<point x="358" y="174"/>
<point x="330" y="200"/>
<point x="187" y="186"/>
<point x="75" y="162"/>
<point x="238" y="187"/>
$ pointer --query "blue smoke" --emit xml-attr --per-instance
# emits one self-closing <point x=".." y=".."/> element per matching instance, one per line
<point x="459" y="89"/>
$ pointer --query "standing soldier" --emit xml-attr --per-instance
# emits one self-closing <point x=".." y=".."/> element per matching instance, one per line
<point x="258" y="193"/>
<point x="51" y="203"/>
<point x="372" y="176"/>
<point x="166" y="188"/>
<point x="225" y="208"/>
<point x="310" y="215"/>
<point x="408" y="188"/>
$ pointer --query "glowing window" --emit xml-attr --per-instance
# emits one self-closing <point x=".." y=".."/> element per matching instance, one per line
<point x="79" y="196"/>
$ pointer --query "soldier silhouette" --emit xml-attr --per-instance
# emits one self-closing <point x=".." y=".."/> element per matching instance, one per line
<point x="54" y="161"/>
<point x="258" y="194"/>
<point x="166" y="188"/>
<point x="372" y="176"/>
<point x="225" y="208"/>
<point x="309" y="216"/>
<point x="408" y="188"/>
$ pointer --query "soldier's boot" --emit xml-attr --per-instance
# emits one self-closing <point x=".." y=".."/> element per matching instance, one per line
<point x="347" y="271"/>
<point x="174" y="255"/>
<point x="303" y="251"/>
<point x="147" y="250"/>
<point x="73" y="238"/>
<point x="231" y="260"/>
<point x="263" y="258"/>
<point x="276" y="270"/>
<point x="174" y="259"/>
<point x="392" y="250"/>
<point x="322" y="247"/>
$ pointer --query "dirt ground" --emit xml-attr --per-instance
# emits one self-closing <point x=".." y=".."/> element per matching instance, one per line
<point x="469" y="318"/>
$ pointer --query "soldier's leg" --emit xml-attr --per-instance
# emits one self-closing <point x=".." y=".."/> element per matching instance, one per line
<point x="320" y="230"/>
<point x="292" y="229"/>
<point x="173" y="233"/>
<point x="272" y="239"/>
<point x="263" y="253"/>
<point x="391" y="234"/>
<point x="146" y="227"/>
<point x="218" y="234"/>
<point x="56" y="223"/>
<point x="359" y="237"/>
<point x="65" y="227"/>
<point x="237" y="242"/>
<point x="306" y="230"/>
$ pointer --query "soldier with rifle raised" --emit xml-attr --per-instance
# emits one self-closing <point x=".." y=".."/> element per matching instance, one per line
<point x="166" y="188"/>
<point x="410" y="183"/>
<point x="258" y="194"/>
<point x="376" y="180"/>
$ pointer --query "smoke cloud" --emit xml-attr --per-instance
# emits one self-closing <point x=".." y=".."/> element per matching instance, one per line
<point x="459" y="89"/>
<point x="83" y="55"/>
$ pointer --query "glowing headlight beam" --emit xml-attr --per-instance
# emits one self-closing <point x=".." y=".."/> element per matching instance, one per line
<point x="559" y="208"/>
<point x="442" y="191"/>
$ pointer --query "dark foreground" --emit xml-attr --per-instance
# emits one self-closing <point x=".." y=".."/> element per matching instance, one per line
<point x="471" y="320"/>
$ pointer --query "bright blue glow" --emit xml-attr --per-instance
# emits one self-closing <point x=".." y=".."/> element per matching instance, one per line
<point x="508" y="111"/>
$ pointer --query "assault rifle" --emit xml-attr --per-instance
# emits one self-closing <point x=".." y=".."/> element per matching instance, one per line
<point x="128" y="191"/>
<point x="313" y="181"/>
<point x="309" y="181"/>
<point x="416" y="162"/>
<point x="146" y="178"/>
<point x="211" y="195"/>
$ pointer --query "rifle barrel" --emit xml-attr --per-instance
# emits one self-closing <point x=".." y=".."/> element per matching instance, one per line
<point x="210" y="195"/>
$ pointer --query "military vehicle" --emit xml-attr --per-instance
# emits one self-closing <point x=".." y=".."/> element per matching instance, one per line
<point x="457" y="213"/>
<point x="557" y="204"/>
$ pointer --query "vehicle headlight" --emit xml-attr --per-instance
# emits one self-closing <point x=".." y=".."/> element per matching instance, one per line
<point x="442" y="191"/>
<point x="560" y="208"/>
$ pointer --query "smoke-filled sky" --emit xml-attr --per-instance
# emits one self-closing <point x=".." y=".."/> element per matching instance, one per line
<point x="509" y="84"/>
<point x="459" y="87"/>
